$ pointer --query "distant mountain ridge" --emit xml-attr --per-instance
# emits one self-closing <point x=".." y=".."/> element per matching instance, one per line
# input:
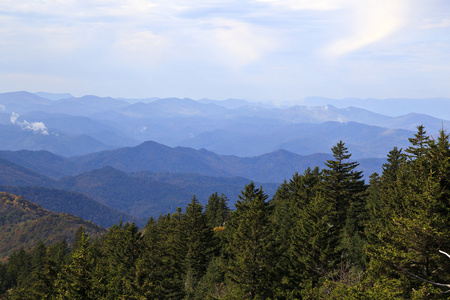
<point x="154" y="157"/>
<point x="230" y="127"/>
<point x="157" y="158"/>
<point x="438" y="107"/>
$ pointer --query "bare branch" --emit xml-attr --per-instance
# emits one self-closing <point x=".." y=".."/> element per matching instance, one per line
<point x="427" y="281"/>
<point x="445" y="253"/>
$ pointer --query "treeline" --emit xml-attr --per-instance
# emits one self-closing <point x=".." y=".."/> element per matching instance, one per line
<point x="324" y="235"/>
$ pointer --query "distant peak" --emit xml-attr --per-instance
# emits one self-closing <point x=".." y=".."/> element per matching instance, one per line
<point x="53" y="96"/>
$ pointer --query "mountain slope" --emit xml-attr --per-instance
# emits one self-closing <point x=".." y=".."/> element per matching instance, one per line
<point x="73" y="203"/>
<point x="13" y="174"/>
<point x="140" y="197"/>
<point x="145" y="194"/>
<point x="24" y="223"/>
<point x="42" y="162"/>
<point x="40" y="189"/>
<point x="20" y="102"/>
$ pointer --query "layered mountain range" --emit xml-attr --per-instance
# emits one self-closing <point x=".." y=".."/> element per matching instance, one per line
<point x="107" y="159"/>
<point x="71" y="126"/>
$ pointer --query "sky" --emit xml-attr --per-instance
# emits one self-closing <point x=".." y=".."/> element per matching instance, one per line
<point x="259" y="50"/>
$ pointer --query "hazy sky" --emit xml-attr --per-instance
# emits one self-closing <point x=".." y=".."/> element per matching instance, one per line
<point x="256" y="50"/>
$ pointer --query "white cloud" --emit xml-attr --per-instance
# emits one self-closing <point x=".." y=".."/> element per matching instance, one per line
<point x="14" y="117"/>
<point x="372" y="21"/>
<point x="306" y="4"/>
<point x="238" y="44"/>
<point x="139" y="47"/>
<point x="36" y="127"/>
<point x="256" y="49"/>
<point x="75" y="8"/>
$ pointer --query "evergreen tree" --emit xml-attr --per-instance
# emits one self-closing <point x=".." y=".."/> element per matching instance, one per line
<point x="44" y="279"/>
<point x="251" y="246"/>
<point x="314" y="243"/>
<point x="216" y="210"/>
<point x="79" y="235"/>
<point x="19" y="268"/>
<point x="3" y="278"/>
<point x="291" y="202"/>
<point x="344" y="188"/>
<point x="119" y="252"/>
<point x="160" y="268"/>
<point x="198" y="238"/>
<point x="59" y="252"/>
<point x="76" y="280"/>
<point x="395" y="160"/>
<point x="38" y="256"/>
<point x="419" y="143"/>
<point x="291" y="197"/>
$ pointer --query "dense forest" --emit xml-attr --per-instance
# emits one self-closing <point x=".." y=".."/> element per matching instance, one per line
<point x="326" y="234"/>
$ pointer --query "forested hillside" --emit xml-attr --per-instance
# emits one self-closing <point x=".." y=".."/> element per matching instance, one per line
<point x="23" y="224"/>
<point x="72" y="203"/>
<point x="326" y="234"/>
<point x="149" y="194"/>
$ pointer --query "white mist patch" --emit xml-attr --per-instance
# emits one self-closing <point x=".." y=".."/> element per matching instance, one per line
<point x="341" y="121"/>
<point x="2" y="107"/>
<point x="36" y="127"/>
<point x="14" y="117"/>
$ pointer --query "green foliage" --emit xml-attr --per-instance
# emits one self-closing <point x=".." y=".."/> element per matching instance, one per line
<point x="409" y="221"/>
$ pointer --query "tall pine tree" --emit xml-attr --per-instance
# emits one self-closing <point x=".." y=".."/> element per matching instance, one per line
<point x="344" y="189"/>
<point x="251" y="246"/>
